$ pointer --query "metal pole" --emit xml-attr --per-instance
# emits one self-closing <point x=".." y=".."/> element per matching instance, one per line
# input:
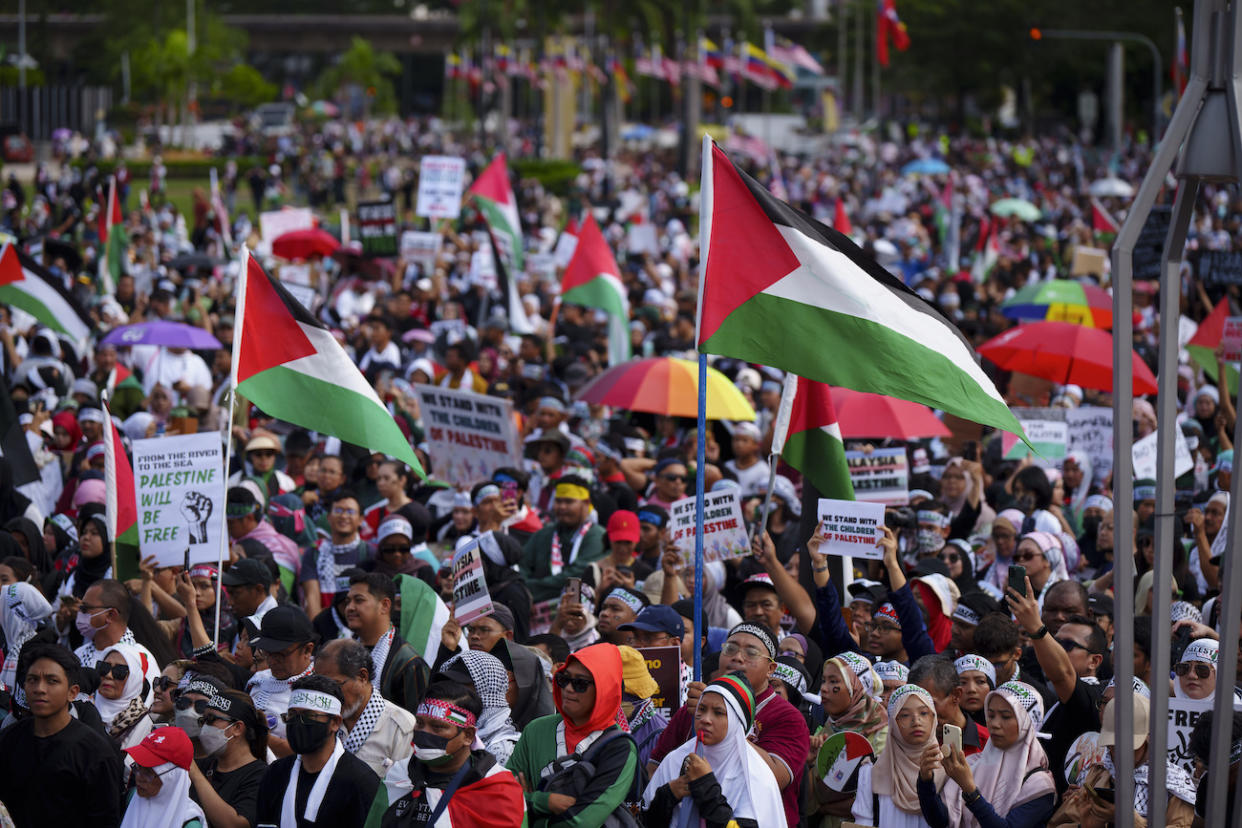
<point x="860" y="35"/>
<point x="1166" y="520"/>
<point x="875" y="73"/>
<point x="224" y="534"/>
<point x="1116" y="93"/>
<point x="700" y="460"/>
<point x="843" y="38"/>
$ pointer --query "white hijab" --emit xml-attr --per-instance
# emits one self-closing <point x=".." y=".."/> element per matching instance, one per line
<point x="745" y="779"/>
<point x="22" y="607"/>
<point x="170" y="808"/>
<point x="109" y="709"/>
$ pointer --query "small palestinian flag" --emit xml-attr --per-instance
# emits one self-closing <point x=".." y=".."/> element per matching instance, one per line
<point x="120" y="505"/>
<point x="593" y="280"/>
<point x="781" y="289"/>
<point x="288" y="364"/>
<point x="494" y="195"/>
<point x="1103" y="224"/>
<point x="112" y="242"/>
<point x="814" y="446"/>
<point x="26" y="285"/>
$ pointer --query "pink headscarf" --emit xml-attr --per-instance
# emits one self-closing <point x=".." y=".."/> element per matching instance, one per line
<point x="1013" y="776"/>
<point x="89" y="491"/>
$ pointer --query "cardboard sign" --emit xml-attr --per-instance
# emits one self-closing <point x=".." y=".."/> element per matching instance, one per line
<point x="1231" y="338"/>
<point x="1091" y="431"/>
<point x="1183" y="714"/>
<point x="469" y="435"/>
<point x="851" y="528"/>
<point x="880" y="477"/>
<point x="1144" y="454"/>
<point x="664" y="664"/>
<point x="421" y="248"/>
<point x="1088" y="261"/>
<point x="440" y="180"/>
<point x="179" y="483"/>
<point x="377" y="228"/>
<point x="471" y="599"/>
<point x="724" y="530"/>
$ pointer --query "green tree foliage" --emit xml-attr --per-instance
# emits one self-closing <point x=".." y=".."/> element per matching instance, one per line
<point x="366" y="69"/>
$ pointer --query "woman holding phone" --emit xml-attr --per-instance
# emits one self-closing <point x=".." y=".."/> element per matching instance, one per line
<point x="888" y="790"/>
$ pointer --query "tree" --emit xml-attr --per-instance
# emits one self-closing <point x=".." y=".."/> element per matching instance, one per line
<point x="368" y="71"/>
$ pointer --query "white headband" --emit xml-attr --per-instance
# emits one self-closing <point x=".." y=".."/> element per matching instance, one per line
<point x="304" y="699"/>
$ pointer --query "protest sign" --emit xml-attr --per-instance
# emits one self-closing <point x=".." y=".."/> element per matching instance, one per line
<point x="179" y="483"/>
<point x="483" y="268"/>
<point x="541" y="265"/>
<point x="1049" y="438"/>
<point x="851" y="528"/>
<point x="1220" y="267"/>
<point x="664" y="665"/>
<point x="642" y="238"/>
<point x="275" y="223"/>
<point x="1088" y="261"/>
<point x="1183" y="714"/>
<point x="1231" y="338"/>
<point x="1091" y="431"/>
<point x="470" y="596"/>
<point x="565" y="247"/>
<point x="468" y="434"/>
<point x="1150" y="245"/>
<point x="724" y="531"/>
<point x="377" y="228"/>
<point x="421" y="248"/>
<point x="880" y="477"/>
<point x="1144" y="454"/>
<point x="541" y="615"/>
<point x="440" y="179"/>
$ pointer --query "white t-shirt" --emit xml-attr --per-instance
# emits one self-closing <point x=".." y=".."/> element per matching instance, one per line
<point x="752" y="479"/>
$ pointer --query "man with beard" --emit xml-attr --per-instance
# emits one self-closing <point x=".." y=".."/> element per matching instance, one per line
<point x="377" y="731"/>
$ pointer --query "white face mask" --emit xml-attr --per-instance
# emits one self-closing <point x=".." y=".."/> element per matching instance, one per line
<point x="189" y="721"/>
<point x="213" y="739"/>
<point x="83" y="623"/>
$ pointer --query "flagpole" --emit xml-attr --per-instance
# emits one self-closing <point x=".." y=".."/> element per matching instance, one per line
<point x="780" y="430"/>
<point x="224" y="520"/>
<point x="700" y="459"/>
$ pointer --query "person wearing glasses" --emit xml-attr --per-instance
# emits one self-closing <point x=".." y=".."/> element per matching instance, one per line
<point x="587" y="692"/>
<point x="1196" y="672"/>
<point x="261" y="454"/>
<point x="121" y="694"/>
<point x="400" y="674"/>
<point x="288" y="640"/>
<point x="321" y="783"/>
<point x="567" y="548"/>
<point x="161" y="782"/>
<point x="343" y="549"/>
<point x="669" y="483"/>
<point x="226" y="781"/>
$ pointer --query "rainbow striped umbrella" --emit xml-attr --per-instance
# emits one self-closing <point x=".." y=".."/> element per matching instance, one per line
<point x="1062" y="301"/>
<point x="669" y="386"/>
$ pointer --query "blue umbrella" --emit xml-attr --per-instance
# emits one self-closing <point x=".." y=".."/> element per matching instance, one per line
<point x="925" y="166"/>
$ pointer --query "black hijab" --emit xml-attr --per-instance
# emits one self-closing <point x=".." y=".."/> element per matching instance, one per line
<point x="37" y="552"/>
<point x="90" y="570"/>
<point x="12" y="502"/>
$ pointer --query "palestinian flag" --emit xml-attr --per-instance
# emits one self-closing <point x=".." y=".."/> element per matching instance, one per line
<point x="423" y="616"/>
<point x="1202" y="346"/>
<point x="783" y="290"/>
<point x="14" y="447"/>
<point x="112" y="242"/>
<point x="519" y="323"/>
<point x="1103" y="225"/>
<point x="496" y="800"/>
<point x="593" y="280"/>
<point x="814" y="446"/>
<point x="121" y="505"/>
<point x="26" y="285"/>
<point x="986" y="257"/>
<point x="494" y="197"/>
<point x="288" y="364"/>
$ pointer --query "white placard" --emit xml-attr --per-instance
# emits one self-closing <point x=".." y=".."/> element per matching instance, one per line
<point x="468" y="435"/>
<point x="440" y="181"/>
<point x="470" y="596"/>
<point x="642" y="238"/>
<point x="179" y="485"/>
<point x="483" y="268"/>
<point x="1183" y="714"/>
<point x="421" y="248"/>
<point x="1231" y="338"/>
<point x="1091" y="431"/>
<point x="724" y="531"/>
<point x="541" y="265"/>
<point x="1144" y="454"/>
<point x="880" y="477"/>
<point x="565" y="247"/>
<point x="851" y="528"/>
<point x="275" y="223"/>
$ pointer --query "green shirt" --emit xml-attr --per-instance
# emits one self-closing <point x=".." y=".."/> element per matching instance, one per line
<point x="536" y="564"/>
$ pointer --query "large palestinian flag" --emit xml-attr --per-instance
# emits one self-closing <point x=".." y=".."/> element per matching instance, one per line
<point x="781" y="289"/>
<point x="287" y="363"/>
<point x="813" y="445"/>
<point x="26" y="285"/>
<point x="120" y="505"/>
<point x="593" y="280"/>
<point x="494" y="196"/>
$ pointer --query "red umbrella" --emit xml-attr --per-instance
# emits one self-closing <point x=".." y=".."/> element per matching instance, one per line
<point x="302" y="244"/>
<point x="1064" y="353"/>
<point x="874" y="415"/>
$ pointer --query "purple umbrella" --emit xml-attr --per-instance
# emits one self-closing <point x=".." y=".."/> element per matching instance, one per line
<point x="168" y="334"/>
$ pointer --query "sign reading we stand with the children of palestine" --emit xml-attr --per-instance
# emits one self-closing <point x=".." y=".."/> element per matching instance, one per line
<point x="468" y="435"/>
<point x="724" y="531"/>
<point x="179" y="485"/>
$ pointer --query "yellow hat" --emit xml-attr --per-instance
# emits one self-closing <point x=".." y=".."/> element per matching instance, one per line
<point x="637" y="681"/>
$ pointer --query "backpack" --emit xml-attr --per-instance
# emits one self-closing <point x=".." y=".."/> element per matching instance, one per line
<point x="572" y="774"/>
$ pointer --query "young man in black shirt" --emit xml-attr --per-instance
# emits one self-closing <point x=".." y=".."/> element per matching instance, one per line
<point x="55" y="770"/>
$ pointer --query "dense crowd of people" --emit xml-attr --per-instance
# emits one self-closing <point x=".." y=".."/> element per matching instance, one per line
<point x="962" y="680"/>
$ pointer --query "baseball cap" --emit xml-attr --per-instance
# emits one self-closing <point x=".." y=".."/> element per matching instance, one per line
<point x="658" y="618"/>
<point x="167" y="744"/>
<point x="623" y="526"/>
<point x="282" y="628"/>
<point x="394" y="525"/>
<point x="553" y="435"/>
<point x="1100" y="604"/>
<point x="245" y="572"/>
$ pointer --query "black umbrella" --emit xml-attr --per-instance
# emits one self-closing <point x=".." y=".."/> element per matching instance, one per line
<point x="192" y="261"/>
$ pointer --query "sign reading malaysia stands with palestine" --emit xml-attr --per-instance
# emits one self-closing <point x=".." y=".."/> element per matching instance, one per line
<point x="724" y="530"/>
<point x="471" y="599"/>
<point x="880" y="477"/>
<point x="468" y="435"/>
<point x="179" y="485"/>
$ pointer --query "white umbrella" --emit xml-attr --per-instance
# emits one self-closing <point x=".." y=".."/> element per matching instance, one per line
<point x="1111" y="188"/>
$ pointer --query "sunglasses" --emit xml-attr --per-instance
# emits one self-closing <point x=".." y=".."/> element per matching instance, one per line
<point x="1202" y="671"/>
<point x="950" y="557"/>
<point x="302" y="716"/>
<point x="185" y="703"/>
<point x="1027" y="556"/>
<point x="394" y="550"/>
<point x="163" y="683"/>
<point x="676" y="478"/>
<point x="118" y="671"/>
<point x="209" y="719"/>
<point x="1070" y="645"/>
<point x="578" y="683"/>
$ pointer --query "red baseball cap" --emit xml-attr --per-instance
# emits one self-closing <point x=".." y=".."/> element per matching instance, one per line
<point x="164" y="744"/>
<point x="623" y="526"/>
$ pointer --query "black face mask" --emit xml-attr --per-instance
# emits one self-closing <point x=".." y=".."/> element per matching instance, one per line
<point x="306" y="736"/>
<point x="431" y="749"/>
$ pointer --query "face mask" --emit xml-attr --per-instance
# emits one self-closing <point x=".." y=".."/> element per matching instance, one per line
<point x="306" y="736"/>
<point x="213" y="740"/>
<point x="1090" y="524"/>
<point x="188" y="720"/>
<point x="431" y="749"/>
<point x="83" y="623"/>
<point x="930" y="541"/>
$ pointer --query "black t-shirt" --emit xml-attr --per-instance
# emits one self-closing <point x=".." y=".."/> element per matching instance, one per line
<point x="239" y="788"/>
<point x="72" y="777"/>
<point x="1065" y="722"/>
<point x="346" y="802"/>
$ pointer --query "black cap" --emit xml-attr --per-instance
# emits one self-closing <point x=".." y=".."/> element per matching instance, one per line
<point x="930" y="566"/>
<point x="1100" y="604"/>
<point x="245" y="572"/>
<point x="282" y="628"/>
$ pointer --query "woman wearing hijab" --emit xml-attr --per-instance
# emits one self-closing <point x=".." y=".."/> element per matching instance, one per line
<point x="161" y="793"/>
<point x="998" y="554"/>
<point x="717" y="778"/>
<point x="587" y="692"/>
<point x="977" y="677"/>
<point x="1042" y="555"/>
<point x="1196" y="672"/>
<point x="487" y="675"/>
<point x="851" y="705"/>
<point x="119" y="698"/>
<point x="888" y="790"/>
<point x="1007" y="783"/>
<point x="94" y="561"/>
<point x="1076" y="483"/>
<point x="961" y="489"/>
<point x="30" y="539"/>
<point x="22" y="608"/>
